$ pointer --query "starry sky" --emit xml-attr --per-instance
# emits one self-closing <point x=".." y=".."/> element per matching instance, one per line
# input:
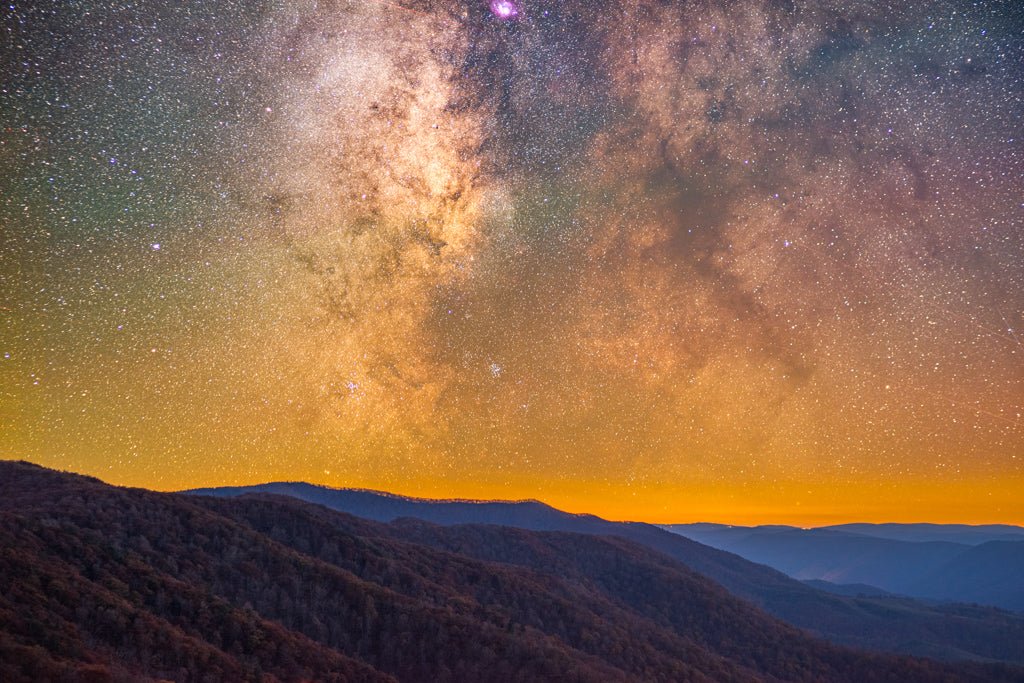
<point x="672" y="261"/>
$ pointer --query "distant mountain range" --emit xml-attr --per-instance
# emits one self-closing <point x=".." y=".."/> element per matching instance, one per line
<point x="972" y="564"/>
<point x="102" y="583"/>
<point x="878" y="622"/>
<point x="953" y="533"/>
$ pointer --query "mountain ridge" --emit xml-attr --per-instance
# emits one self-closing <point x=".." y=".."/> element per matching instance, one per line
<point x="893" y="624"/>
<point x="270" y="588"/>
<point x="913" y="560"/>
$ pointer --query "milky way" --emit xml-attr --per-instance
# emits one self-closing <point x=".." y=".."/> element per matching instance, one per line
<point x="662" y="260"/>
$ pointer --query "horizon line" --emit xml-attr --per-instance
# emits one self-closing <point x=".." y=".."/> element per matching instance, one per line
<point x="510" y="501"/>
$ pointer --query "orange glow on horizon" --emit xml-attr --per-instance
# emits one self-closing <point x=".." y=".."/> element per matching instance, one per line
<point x="800" y="504"/>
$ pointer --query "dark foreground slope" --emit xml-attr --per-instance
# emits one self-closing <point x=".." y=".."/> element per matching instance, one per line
<point x="103" y="583"/>
<point x="889" y="624"/>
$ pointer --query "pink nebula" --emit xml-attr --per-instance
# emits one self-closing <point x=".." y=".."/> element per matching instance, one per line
<point x="504" y="9"/>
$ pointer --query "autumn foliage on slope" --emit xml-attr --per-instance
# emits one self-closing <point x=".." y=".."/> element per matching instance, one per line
<point x="103" y="583"/>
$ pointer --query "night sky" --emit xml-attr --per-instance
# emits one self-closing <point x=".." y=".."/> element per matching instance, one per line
<point x="670" y="261"/>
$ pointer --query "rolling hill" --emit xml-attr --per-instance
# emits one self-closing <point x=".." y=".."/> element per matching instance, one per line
<point x="111" y="584"/>
<point x="889" y="624"/>
<point x="967" y="534"/>
<point x="982" y="566"/>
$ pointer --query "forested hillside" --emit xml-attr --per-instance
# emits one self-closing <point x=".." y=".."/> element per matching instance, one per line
<point x="103" y="583"/>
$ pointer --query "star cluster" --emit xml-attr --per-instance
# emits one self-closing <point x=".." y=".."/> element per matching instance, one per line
<point x="671" y="261"/>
